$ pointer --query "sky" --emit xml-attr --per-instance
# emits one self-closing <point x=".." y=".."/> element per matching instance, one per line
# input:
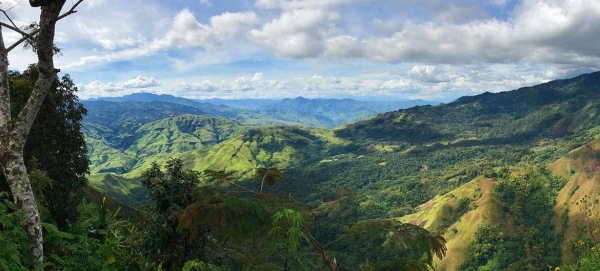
<point x="434" y="50"/>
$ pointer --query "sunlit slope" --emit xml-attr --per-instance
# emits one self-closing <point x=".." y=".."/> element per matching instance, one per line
<point x="278" y="146"/>
<point x="582" y="167"/>
<point x="166" y="136"/>
<point x="182" y="133"/>
<point x="458" y="214"/>
<point x="104" y="157"/>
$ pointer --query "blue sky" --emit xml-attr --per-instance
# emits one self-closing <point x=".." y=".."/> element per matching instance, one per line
<point x="398" y="49"/>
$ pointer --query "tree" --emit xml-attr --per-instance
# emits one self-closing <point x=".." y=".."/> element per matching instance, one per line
<point x="168" y="192"/>
<point x="15" y="130"/>
<point x="55" y="145"/>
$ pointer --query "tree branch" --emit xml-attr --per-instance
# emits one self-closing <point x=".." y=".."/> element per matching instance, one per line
<point x="16" y="29"/>
<point x="9" y="19"/>
<point x="16" y="44"/>
<point x="71" y="11"/>
<point x="343" y="237"/>
<point x="33" y="33"/>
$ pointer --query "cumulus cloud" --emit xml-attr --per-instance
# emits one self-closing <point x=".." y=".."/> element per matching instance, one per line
<point x="185" y="32"/>
<point x="297" y="33"/>
<point x="429" y="73"/>
<point x="140" y="82"/>
<point x="441" y="48"/>
<point x="257" y="77"/>
<point x="538" y="31"/>
<point x="240" y="84"/>
<point x="98" y="89"/>
<point x="204" y="86"/>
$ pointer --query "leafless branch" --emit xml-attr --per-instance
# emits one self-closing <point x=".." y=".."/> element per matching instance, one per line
<point x="33" y="33"/>
<point x="71" y="11"/>
<point x="16" y="5"/>
<point x="9" y="19"/>
<point x="16" y="44"/>
<point x="16" y="29"/>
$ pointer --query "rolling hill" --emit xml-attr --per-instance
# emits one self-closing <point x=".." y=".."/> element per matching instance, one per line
<point x="473" y="169"/>
<point x="120" y="134"/>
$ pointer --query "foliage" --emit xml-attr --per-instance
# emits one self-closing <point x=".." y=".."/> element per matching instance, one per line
<point x="55" y="146"/>
<point x="98" y="240"/>
<point x="526" y="240"/>
<point x="388" y="244"/>
<point x="13" y="239"/>
<point x="168" y="192"/>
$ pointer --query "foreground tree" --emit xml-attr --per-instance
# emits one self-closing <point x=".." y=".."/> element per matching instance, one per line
<point x="55" y="145"/>
<point x="15" y="130"/>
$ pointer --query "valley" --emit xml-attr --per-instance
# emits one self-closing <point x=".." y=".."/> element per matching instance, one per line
<point x="449" y="168"/>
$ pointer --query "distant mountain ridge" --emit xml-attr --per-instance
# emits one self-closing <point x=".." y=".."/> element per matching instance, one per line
<point x="323" y="113"/>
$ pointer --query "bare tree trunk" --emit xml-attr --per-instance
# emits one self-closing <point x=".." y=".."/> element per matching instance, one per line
<point x="14" y="131"/>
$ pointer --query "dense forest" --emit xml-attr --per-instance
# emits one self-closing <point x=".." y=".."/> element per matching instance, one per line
<point x="496" y="181"/>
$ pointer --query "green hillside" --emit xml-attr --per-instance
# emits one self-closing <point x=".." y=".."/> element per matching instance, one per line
<point x="119" y="135"/>
<point x="279" y="146"/>
<point x="182" y="133"/>
<point x="456" y="168"/>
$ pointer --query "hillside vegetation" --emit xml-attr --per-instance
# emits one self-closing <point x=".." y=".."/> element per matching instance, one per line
<point x="473" y="170"/>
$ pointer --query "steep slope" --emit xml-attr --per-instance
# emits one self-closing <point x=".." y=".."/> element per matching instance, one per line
<point x="182" y="133"/>
<point x="577" y="218"/>
<point x="164" y="137"/>
<point x="458" y="214"/>
<point x="554" y="109"/>
<point x="131" y="115"/>
<point x="502" y="223"/>
<point x="280" y="147"/>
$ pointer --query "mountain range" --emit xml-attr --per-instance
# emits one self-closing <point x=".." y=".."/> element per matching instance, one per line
<point x="324" y="113"/>
<point x="497" y="173"/>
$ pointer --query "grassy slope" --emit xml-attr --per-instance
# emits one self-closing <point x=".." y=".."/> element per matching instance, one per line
<point x="582" y="166"/>
<point x="260" y="147"/>
<point x="460" y="234"/>
<point x="172" y="135"/>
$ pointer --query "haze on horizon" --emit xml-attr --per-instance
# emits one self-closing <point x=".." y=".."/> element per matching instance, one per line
<point x="392" y="49"/>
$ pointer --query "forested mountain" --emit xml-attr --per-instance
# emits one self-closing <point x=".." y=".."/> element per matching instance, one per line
<point x="324" y="113"/>
<point x="458" y="169"/>
<point x="120" y="134"/>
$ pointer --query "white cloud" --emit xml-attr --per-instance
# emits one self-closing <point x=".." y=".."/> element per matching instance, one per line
<point x="257" y="77"/>
<point x="185" y="32"/>
<point x="206" y="3"/>
<point x="99" y="89"/>
<point x="140" y="82"/>
<point x="432" y="48"/>
<point x="297" y="33"/>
